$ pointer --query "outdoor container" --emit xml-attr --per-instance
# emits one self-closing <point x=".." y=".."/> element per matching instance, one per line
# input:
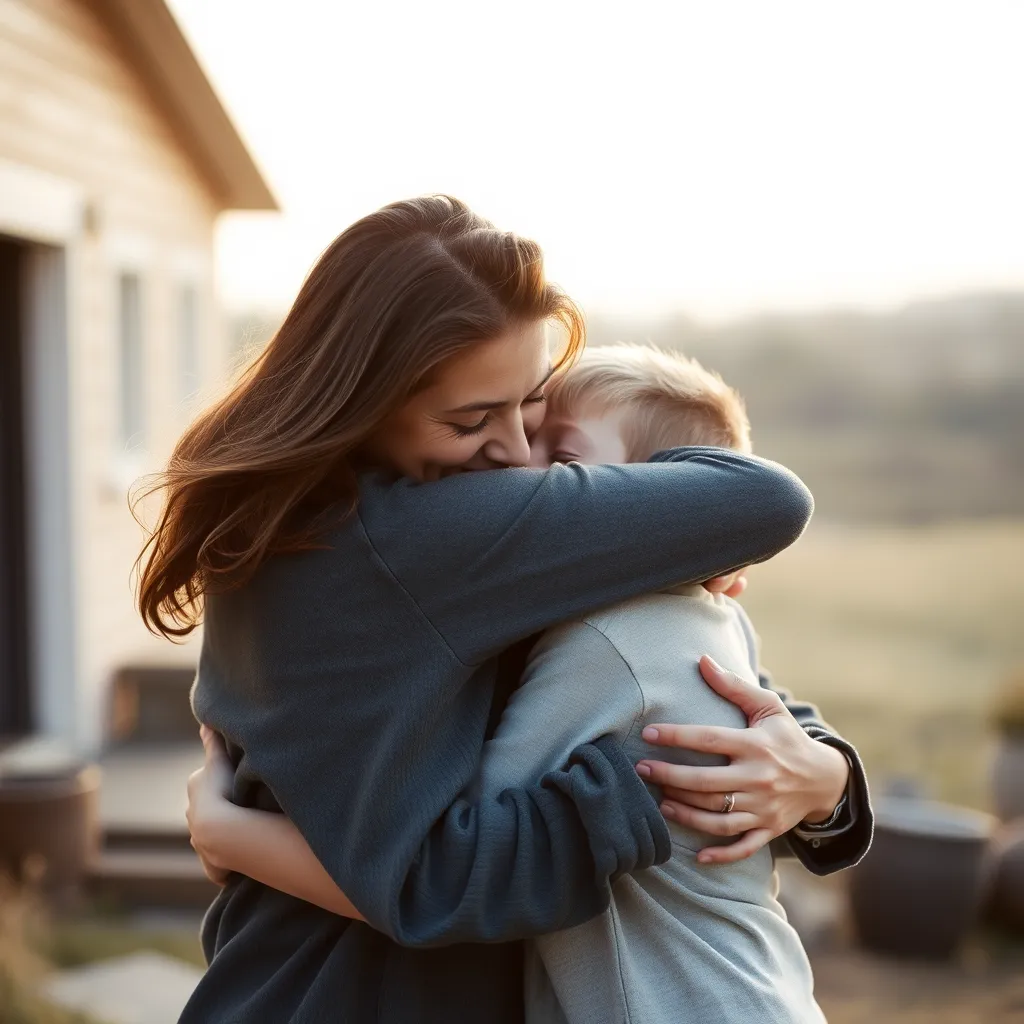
<point x="1008" y="776"/>
<point x="50" y="830"/>
<point x="923" y="885"/>
<point x="1007" y="902"/>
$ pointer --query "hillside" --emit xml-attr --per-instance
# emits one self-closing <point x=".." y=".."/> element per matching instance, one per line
<point x="907" y="416"/>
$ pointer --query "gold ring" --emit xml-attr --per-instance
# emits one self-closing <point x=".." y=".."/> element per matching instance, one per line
<point x="728" y="802"/>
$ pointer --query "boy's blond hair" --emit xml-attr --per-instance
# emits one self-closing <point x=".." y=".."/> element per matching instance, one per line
<point x="672" y="400"/>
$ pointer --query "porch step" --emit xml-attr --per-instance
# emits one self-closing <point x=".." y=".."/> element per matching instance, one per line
<point x="122" y="838"/>
<point x="147" y="877"/>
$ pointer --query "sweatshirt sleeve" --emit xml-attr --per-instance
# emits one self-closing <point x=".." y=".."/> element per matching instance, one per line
<point x="498" y="556"/>
<point x="577" y="687"/>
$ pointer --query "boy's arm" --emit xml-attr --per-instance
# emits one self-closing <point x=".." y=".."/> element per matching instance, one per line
<point x="576" y="688"/>
<point x="268" y="848"/>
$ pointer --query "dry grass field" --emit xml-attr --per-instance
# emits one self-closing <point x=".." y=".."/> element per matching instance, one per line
<point x="902" y="636"/>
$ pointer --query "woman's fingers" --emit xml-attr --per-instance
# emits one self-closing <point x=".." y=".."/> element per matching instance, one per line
<point x="740" y="850"/>
<point x="722" y="584"/>
<point x="707" y="801"/>
<point x="725" y="779"/>
<point x="752" y="699"/>
<point x="710" y="739"/>
<point x="712" y="822"/>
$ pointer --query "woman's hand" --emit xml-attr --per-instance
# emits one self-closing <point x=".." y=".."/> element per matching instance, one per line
<point x="777" y="777"/>
<point x="209" y="806"/>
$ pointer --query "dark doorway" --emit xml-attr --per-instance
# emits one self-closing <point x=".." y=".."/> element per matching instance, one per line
<point x="15" y="697"/>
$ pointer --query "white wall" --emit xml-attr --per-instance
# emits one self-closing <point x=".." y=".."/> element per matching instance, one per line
<point x="89" y="169"/>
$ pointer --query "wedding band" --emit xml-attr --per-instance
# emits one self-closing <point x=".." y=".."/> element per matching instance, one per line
<point x="728" y="802"/>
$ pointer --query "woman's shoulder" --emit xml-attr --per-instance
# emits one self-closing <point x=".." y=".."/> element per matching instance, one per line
<point x="334" y="566"/>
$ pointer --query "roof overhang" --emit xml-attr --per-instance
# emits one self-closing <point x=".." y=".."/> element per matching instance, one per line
<point x="163" y="58"/>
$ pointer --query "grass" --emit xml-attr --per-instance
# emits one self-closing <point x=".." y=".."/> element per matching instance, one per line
<point x="23" y="927"/>
<point x="903" y="636"/>
<point x="35" y="941"/>
<point x="83" y="939"/>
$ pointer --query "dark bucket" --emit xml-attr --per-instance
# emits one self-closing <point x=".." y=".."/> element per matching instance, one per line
<point x="922" y="886"/>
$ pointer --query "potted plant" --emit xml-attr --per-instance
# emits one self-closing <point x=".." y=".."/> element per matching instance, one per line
<point x="923" y="884"/>
<point x="1008" y="766"/>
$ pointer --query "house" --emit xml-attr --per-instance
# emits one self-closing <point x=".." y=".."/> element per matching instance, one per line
<point x="116" y="158"/>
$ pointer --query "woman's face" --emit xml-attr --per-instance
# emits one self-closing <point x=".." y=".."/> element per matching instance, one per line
<point x="480" y="412"/>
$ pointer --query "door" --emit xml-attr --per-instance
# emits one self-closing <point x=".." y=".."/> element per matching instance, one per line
<point x="15" y="700"/>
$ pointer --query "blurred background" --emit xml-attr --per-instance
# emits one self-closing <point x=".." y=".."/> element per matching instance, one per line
<point x="821" y="202"/>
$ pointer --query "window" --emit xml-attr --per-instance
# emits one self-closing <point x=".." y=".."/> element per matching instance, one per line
<point x="132" y="398"/>
<point x="188" y="343"/>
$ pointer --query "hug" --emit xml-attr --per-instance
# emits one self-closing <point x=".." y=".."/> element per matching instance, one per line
<point x="488" y="738"/>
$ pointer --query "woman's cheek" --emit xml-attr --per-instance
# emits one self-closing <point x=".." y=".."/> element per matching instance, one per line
<point x="454" y="452"/>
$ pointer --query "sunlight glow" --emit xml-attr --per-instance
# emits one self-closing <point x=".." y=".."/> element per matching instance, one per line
<point x="712" y="158"/>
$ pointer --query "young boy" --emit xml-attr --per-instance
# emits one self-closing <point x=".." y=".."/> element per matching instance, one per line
<point x="683" y="941"/>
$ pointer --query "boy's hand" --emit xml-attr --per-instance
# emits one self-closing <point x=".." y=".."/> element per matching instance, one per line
<point x="732" y="585"/>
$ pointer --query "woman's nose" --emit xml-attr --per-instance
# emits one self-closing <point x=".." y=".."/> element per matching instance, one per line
<point x="511" y="447"/>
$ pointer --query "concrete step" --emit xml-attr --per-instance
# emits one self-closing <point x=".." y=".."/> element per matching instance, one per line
<point x="126" y="837"/>
<point x="151" y="877"/>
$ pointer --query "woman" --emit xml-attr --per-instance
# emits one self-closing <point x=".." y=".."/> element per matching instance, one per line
<point x="362" y="631"/>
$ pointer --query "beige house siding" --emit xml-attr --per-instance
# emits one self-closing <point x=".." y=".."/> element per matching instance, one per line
<point x="72" y="107"/>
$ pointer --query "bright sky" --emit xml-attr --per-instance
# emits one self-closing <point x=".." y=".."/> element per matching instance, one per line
<point x="710" y="157"/>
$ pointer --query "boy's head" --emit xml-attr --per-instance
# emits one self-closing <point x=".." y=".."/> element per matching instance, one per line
<point x="623" y="403"/>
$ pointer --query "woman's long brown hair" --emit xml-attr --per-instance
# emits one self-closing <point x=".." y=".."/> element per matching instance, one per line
<point x="268" y="469"/>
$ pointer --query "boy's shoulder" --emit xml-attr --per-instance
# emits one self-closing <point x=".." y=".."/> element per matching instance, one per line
<point x="651" y="610"/>
<point x="651" y="620"/>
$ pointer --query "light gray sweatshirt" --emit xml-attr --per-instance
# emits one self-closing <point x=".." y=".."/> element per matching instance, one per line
<point x="681" y="941"/>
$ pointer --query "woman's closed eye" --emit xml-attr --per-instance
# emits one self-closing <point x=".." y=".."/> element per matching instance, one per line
<point x="471" y="430"/>
<point x="461" y="430"/>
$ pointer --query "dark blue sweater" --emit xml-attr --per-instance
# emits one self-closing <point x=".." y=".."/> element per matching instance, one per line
<point x="356" y="684"/>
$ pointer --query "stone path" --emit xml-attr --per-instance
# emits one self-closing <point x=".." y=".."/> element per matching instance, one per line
<point x="143" y="988"/>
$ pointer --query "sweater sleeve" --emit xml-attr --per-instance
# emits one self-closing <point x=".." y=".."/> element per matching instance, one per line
<point x="534" y="859"/>
<point x="502" y="555"/>
<point x="343" y="712"/>
<point x="373" y="762"/>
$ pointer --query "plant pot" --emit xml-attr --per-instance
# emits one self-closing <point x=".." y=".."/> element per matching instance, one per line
<point x="922" y="886"/>
<point x="1008" y="777"/>
<point x="50" y="827"/>
<point x="1007" y="899"/>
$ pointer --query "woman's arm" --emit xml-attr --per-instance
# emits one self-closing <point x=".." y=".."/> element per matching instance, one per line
<point x="490" y="558"/>
<point x="354" y="686"/>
